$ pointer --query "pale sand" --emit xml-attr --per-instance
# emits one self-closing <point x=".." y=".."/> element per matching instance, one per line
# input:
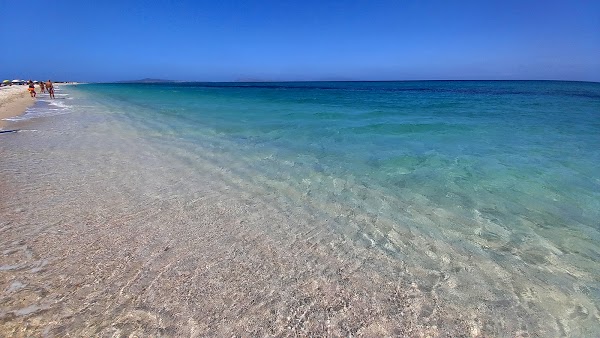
<point x="116" y="244"/>
<point x="14" y="100"/>
<point x="89" y="252"/>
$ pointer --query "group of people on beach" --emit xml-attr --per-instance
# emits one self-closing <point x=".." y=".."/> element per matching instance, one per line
<point x="44" y="86"/>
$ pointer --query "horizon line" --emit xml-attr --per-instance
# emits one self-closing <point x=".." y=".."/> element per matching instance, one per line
<point x="150" y="81"/>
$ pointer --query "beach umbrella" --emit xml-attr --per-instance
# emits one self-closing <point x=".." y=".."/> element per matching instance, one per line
<point x="15" y="81"/>
<point x="6" y="81"/>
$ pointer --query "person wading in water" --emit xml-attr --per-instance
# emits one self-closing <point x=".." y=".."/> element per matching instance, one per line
<point x="50" y="89"/>
<point x="31" y="88"/>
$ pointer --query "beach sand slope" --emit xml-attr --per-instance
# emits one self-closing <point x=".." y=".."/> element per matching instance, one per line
<point x="14" y="100"/>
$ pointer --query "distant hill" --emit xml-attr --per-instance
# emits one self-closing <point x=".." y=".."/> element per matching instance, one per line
<point x="250" y="79"/>
<point x="147" y="80"/>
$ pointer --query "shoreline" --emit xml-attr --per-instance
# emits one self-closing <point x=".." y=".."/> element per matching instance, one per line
<point x="14" y="101"/>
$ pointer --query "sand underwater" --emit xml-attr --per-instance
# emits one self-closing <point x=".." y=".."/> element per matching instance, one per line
<point x="326" y="209"/>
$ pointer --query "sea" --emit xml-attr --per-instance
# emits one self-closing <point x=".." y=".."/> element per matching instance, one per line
<point x="456" y="207"/>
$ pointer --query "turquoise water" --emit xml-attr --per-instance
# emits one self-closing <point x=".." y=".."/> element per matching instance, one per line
<point x="492" y="184"/>
<point x="504" y="151"/>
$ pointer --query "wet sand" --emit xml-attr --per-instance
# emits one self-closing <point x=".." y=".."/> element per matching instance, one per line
<point x="91" y="252"/>
<point x="103" y="271"/>
<point x="14" y="100"/>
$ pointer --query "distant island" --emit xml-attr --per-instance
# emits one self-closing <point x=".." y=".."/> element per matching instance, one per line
<point x="147" y="80"/>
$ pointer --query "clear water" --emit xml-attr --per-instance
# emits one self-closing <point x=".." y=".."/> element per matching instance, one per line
<point x="491" y="187"/>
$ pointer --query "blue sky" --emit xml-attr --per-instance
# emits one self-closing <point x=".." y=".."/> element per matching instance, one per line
<point x="300" y="40"/>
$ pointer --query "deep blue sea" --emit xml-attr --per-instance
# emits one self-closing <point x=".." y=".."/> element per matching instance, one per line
<point x="492" y="185"/>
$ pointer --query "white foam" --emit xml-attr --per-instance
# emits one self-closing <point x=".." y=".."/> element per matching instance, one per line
<point x="44" y="107"/>
<point x="56" y="103"/>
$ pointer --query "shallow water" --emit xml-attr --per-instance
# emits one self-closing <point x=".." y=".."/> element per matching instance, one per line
<point x="439" y="207"/>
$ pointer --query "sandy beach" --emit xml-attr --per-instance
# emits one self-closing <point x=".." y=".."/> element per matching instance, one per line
<point x="14" y="100"/>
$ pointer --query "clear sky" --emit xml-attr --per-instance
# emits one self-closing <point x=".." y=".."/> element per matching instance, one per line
<point x="228" y="40"/>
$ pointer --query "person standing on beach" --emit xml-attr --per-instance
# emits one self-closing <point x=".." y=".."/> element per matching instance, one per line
<point x="42" y="87"/>
<point x="50" y="88"/>
<point x="31" y="88"/>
